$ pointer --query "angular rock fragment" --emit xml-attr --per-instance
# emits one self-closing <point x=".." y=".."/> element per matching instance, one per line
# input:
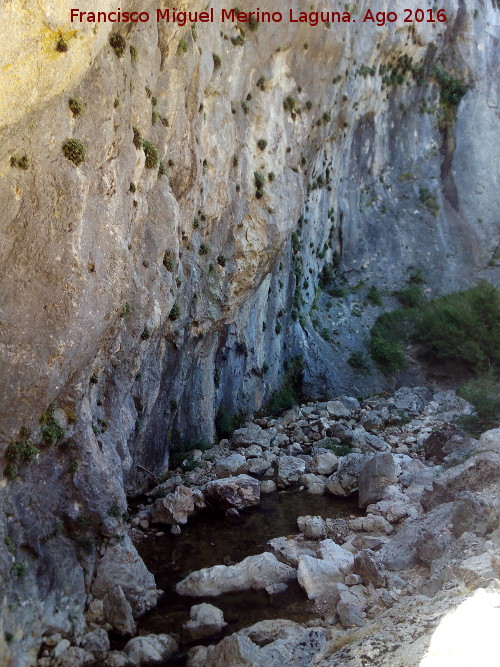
<point x="252" y="573"/>
<point x="238" y="492"/>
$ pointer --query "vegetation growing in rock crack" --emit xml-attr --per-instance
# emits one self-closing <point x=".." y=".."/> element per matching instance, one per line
<point x="74" y="150"/>
<point x="52" y="432"/>
<point x="117" y="43"/>
<point x="20" y="162"/>
<point x="151" y="153"/>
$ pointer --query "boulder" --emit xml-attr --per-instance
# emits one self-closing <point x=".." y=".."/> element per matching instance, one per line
<point x="252" y="573"/>
<point x="312" y="527"/>
<point x="254" y="451"/>
<point x="350" y="614"/>
<point x="96" y="641"/>
<point x="371" y="523"/>
<point x="412" y="400"/>
<point x="238" y="492"/>
<point x="344" y="481"/>
<point x="375" y="475"/>
<point x="74" y="656"/>
<point x="258" y="466"/>
<point x="337" y="409"/>
<point x="401" y="552"/>
<point x="370" y="568"/>
<point x="234" y="464"/>
<point x="314" y="485"/>
<point x="451" y="405"/>
<point x="268" y="486"/>
<point x="446" y="440"/>
<point x="122" y="566"/>
<point x="150" y="649"/>
<point x="174" y="508"/>
<point x="118" y="612"/>
<point x="273" y="642"/>
<point x="206" y="621"/>
<point x="252" y="435"/>
<point x="318" y="577"/>
<point x="324" y="463"/>
<point x="290" y="549"/>
<point x="471" y="514"/>
<point x="392" y="510"/>
<point x="350" y="403"/>
<point x="368" y="442"/>
<point x="290" y="469"/>
<point x="334" y="553"/>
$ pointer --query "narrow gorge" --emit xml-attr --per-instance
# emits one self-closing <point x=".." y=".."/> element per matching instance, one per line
<point x="225" y="254"/>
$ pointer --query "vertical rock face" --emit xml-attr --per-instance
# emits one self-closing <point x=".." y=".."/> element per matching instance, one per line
<point x="143" y="284"/>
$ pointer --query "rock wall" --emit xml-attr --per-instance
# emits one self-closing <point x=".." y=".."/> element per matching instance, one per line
<point x="138" y="298"/>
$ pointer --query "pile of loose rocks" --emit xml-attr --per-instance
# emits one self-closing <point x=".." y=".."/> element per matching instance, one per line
<point x="430" y="531"/>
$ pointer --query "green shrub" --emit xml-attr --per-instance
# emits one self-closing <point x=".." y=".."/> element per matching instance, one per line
<point x="262" y="143"/>
<point x="74" y="150"/>
<point x="386" y="334"/>
<point x="452" y="89"/>
<point x="146" y="333"/>
<point x="19" y="162"/>
<point x="133" y="53"/>
<point x="373" y="297"/>
<point x="429" y="200"/>
<point x="182" y="47"/>
<point x="337" y="449"/>
<point x="168" y="260"/>
<point x="411" y="296"/>
<point x="151" y="153"/>
<point x="289" y="104"/>
<point x="463" y="327"/>
<point x="259" y="180"/>
<point x="359" y="362"/>
<point x="21" y="452"/>
<point x="175" y="312"/>
<point x="203" y="249"/>
<point x="76" y="106"/>
<point x="137" y="140"/>
<point x="226" y="423"/>
<point x="19" y="569"/>
<point x="217" y="61"/>
<point x="484" y="394"/>
<point x="52" y="432"/>
<point x="290" y="392"/>
<point x="117" y="43"/>
<point x="221" y="260"/>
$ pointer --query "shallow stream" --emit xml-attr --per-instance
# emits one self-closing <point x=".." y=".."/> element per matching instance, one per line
<point x="210" y="539"/>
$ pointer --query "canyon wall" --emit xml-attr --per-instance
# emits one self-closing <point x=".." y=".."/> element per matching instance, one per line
<point x="153" y="282"/>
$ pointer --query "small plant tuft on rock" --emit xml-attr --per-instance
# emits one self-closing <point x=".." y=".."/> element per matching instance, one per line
<point x="151" y="153"/>
<point x="137" y="140"/>
<point x="175" y="312"/>
<point x="117" y="43"/>
<point x="61" y="45"/>
<point x="76" y="106"/>
<point x="19" y="162"/>
<point x="182" y="47"/>
<point x="75" y="151"/>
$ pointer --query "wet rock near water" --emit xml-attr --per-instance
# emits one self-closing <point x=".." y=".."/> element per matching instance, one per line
<point x="423" y="527"/>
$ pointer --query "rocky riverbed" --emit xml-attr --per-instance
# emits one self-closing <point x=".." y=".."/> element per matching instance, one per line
<point x="384" y="583"/>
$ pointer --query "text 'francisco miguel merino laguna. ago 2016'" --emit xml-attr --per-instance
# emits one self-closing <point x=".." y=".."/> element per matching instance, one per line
<point x="182" y="18"/>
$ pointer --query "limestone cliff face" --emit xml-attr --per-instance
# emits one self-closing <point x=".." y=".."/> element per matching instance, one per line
<point x="139" y="295"/>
